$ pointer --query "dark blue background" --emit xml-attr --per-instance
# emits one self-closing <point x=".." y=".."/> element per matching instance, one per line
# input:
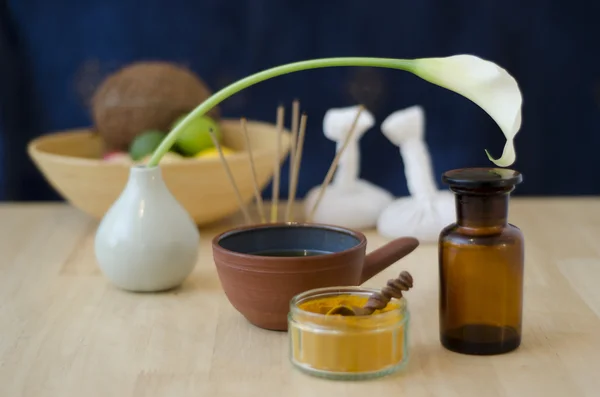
<point x="52" y="52"/>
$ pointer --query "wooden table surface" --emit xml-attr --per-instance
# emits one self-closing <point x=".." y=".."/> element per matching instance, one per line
<point x="65" y="331"/>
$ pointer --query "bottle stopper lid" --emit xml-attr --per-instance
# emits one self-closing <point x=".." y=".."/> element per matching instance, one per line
<point x="478" y="178"/>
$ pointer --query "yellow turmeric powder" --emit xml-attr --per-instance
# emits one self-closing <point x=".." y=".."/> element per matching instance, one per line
<point x="340" y="346"/>
<point x="323" y="305"/>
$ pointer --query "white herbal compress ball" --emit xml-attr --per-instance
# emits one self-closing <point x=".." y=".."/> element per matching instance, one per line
<point x="348" y="201"/>
<point x="427" y="210"/>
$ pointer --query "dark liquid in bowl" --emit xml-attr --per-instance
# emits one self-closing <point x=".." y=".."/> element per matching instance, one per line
<point x="290" y="253"/>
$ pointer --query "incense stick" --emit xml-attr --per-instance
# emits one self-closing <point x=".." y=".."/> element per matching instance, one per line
<point x="334" y="164"/>
<point x="294" y="142"/>
<point x="296" y="169"/>
<point x="277" y="164"/>
<point x="257" y="193"/>
<point x="230" y="176"/>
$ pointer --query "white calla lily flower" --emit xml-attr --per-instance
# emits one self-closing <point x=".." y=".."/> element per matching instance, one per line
<point x="486" y="84"/>
<point x="481" y="81"/>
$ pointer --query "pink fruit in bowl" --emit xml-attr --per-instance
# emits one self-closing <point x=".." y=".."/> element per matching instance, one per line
<point x="117" y="157"/>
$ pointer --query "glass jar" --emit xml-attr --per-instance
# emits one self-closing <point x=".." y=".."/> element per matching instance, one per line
<point x="481" y="260"/>
<point x="340" y="347"/>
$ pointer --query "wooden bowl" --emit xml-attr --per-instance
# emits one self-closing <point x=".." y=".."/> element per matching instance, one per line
<point x="71" y="162"/>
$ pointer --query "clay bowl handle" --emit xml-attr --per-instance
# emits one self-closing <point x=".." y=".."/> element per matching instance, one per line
<point x="385" y="256"/>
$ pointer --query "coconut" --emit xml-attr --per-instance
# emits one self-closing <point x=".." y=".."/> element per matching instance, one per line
<point x="145" y="96"/>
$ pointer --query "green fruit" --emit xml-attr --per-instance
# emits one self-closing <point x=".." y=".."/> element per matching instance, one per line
<point x="145" y="144"/>
<point x="196" y="136"/>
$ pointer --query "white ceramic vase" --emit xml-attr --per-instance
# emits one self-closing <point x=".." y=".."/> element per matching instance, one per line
<point x="146" y="241"/>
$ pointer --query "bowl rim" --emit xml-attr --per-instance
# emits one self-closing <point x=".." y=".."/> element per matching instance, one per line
<point x="34" y="150"/>
<point x="217" y="248"/>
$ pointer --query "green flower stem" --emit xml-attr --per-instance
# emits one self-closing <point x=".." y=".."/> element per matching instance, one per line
<point x="220" y="96"/>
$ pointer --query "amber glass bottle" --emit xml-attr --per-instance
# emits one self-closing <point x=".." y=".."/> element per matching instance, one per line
<point x="481" y="265"/>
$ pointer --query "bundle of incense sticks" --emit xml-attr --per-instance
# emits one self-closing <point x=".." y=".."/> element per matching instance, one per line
<point x="295" y="159"/>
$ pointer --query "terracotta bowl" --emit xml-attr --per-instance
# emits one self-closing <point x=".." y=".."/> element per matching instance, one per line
<point x="260" y="277"/>
<point x="71" y="162"/>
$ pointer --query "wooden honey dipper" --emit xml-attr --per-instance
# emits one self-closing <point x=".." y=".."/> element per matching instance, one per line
<point x="378" y="300"/>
